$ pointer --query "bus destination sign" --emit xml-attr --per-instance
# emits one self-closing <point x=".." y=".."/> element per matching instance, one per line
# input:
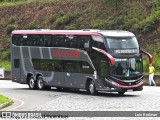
<point x="66" y="53"/>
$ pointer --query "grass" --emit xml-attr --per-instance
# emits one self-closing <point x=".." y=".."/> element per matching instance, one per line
<point x="6" y="100"/>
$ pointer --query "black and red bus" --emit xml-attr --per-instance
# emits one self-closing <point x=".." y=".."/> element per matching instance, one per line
<point x="94" y="60"/>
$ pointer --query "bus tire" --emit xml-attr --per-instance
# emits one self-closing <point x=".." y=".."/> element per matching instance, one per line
<point x="40" y="83"/>
<point x="59" y="88"/>
<point x="32" y="83"/>
<point x="92" y="88"/>
<point x="121" y="93"/>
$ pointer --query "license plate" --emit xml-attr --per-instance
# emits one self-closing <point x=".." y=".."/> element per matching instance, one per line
<point x="129" y="90"/>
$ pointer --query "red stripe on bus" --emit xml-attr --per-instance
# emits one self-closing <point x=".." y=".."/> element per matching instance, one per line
<point x="109" y="56"/>
<point x="55" y="33"/>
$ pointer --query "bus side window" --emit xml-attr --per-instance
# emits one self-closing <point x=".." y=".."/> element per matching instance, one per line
<point x="68" y="67"/>
<point x="86" y="68"/>
<point x="47" y="41"/>
<point x="16" y="40"/>
<point x="98" y="45"/>
<point x="58" y="41"/>
<point x="16" y="63"/>
<point x="36" y="40"/>
<point x="85" y="42"/>
<point x="25" y="40"/>
<point x="77" y="66"/>
<point x="71" y="41"/>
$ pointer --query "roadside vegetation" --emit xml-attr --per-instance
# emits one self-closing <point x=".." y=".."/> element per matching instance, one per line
<point x="6" y="100"/>
<point x="142" y="17"/>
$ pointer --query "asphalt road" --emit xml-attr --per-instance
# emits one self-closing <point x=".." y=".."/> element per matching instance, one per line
<point x="54" y="100"/>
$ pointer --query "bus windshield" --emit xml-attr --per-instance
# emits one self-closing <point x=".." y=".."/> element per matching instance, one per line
<point x="131" y="67"/>
<point x="123" y="45"/>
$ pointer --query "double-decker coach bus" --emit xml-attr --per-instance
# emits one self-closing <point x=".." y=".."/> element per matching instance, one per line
<point x="94" y="60"/>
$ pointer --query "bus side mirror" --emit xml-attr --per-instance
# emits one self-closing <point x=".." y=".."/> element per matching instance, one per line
<point x="149" y="55"/>
<point x="95" y="74"/>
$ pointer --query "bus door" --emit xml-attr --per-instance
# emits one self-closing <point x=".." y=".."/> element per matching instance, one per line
<point x="73" y="74"/>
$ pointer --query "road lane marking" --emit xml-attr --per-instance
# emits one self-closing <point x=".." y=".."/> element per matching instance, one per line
<point x="22" y="103"/>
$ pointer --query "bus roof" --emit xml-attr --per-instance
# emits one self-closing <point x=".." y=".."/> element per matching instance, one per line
<point x="107" y="33"/>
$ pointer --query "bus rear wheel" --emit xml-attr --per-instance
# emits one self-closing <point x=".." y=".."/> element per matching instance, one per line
<point x="32" y="83"/>
<point x="92" y="88"/>
<point x="40" y="83"/>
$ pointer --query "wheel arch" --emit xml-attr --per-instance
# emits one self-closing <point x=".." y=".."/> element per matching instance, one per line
<point x="88" y="81"/>
<point x="38" y="74"/>
<point x="29" y="75"/>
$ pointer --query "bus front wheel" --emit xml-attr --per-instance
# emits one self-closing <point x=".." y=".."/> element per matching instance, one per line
<point x="32" y="83"/>
<point x="121" y="93"/>
<point x="92" y="88"/>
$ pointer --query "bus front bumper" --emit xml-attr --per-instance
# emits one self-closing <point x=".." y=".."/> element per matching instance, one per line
<point x="121" y="88"/>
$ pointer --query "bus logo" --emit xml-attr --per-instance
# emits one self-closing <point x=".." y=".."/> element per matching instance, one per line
<point x="66" y="53"/>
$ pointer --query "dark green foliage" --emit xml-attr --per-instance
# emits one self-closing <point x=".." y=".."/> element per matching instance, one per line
<point x="33" y="25"/>
<point x="154" y="49"/>
<point x="10" y="28"/>
<point x="117" y="3"/>
<point x="98" y="24"/>
<point x="70" y="27"/>
<point x="40" y="7"/>
<point x="64" y="19"/>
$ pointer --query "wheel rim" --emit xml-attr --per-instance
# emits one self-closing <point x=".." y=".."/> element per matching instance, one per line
<point x="40" y="83"/>
<point x="32" y="83"/>
<point x="91" y="87"/>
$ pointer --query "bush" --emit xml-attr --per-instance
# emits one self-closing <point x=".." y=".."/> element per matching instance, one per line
<point x="51" y="19"/>
<point x="98" y="24"/>
<point x="156" y="56"/>
<point x="33" y="25"/>
<point x="10" y="28"/>
<point x="148" y="24"/>
<point x="70" y="27"/>
<point x="63" y="20"/>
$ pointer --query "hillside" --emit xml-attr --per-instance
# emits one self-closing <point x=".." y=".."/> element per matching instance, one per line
<point x="142" y="17"/>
